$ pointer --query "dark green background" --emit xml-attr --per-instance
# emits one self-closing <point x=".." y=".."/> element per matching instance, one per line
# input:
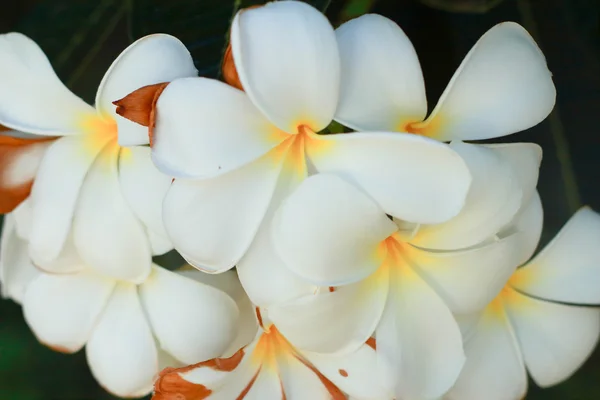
<point x="82" y="37"/>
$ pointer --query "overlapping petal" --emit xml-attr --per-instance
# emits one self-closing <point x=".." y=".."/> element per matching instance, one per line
<point x="382" y="87"/>
<point x="152" y="59"/>
<point x="192" y="321"/>
<point x="555" y="338"/>
<point x="32" y="98"/>
<point x="64" y="166"/>
<point x="568" y="269"/>
<point x="121" y="351"/>
<point x="356" y="222"/>
<point x="411" y="177"/>
<point x="502" y="177"/>
<point x="503" y="86"/>
<point x="107" y="234"/>
<point x="144" y="188"/>
<point x="528" y="222"/>
<point x="62" y="310"/>
<point x="287" y="60"/>
<point x="494" y="369"/>
<point x="16" y="269"/>
<point x="206" y="128"/>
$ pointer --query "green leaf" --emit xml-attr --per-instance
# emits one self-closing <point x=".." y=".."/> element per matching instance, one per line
<point x="202" y="25"/>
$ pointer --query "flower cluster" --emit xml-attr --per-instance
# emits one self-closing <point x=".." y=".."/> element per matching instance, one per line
<point x="392" y="261"/>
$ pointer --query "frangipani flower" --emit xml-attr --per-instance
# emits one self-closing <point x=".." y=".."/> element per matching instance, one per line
<point x="88" y="192"/>
<point x="503" y="85"/>
<point x="542" y="321"/>
<point x="231" y="150"/>
<point x="333" y="234"/>
<point x="129" y="331"/>
<point x="272" y="368"/>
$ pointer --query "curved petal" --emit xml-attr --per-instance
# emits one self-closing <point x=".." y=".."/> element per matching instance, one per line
<point x="121" y="352"/>
<point x="206" y="128"/>
<point x="495" y="196"/>
<point x="494" y="369"/>
<point x="503" y="86"/>
<point x="229" y="283"/>
<point x="555" y="339"/>
<point x="192" y="321"/>
<point x="62" y="310"/>
<point x="23" y="219"/>
<point x="144" y="187"/>
<point x="287" y="59"/>
<point x="467" y="280"/>
<point x="354" y="373"/>
<point x="323" y="207"/>
<point x="64" y="166"/>
<point x="529" y="222"/>
<point x="19" y="163"/>
<point x="152" y="59"/>
<point x="16" y="269"/>
<point x="68" y="261"/>
<point x="411" y="177"/>
<point x="107" y="234"/>
<point x="263" y="274"/>
<point x="419" y="348"/>
<point x="556" y="274"/>
<point x="338" y="321"/>
<point x="212" y="222"/>
<point x="32" y="98"/>
<point x="382" y="85"/>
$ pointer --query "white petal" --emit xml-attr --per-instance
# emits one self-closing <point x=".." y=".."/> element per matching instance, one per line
<point x="23" y="215"/>
<point x="495" y="196"/>
<point x="338" y="321"/>
<point x="144" y="188"/>
<point x="503" y="86"/>
<point x="152" y="59"/>
<point x="206" y="128"/>
<point x="121" y="352"/>
<point x="568" y="269"/>
<point x="262" y="272"/>
<point x="411" y="177"/>
<point x="323" y="207"/>
<point x="382" y="84"/>
<point x="287" y="59"/>
<point x="160" y="244"/>
<point x="467" y="280"/>
<point x="68" y="261"/>
<point x="555" y="339"/>
<point x="355" y="373"/>
<point x="229" y="283"/>
<point x="494" y="369"/>
<point x="32" y="98"/>
<point x="528" y="222"/>
<point x="421" y="346"/>
<point x="301" y="380"/>
<point x="212" y="222"/>
<point x="192" y="321"/>
<point x="62" y="310"/>
<point x="64" y="166"/>
<point x="108" y="236"/>
<point x="16" y="269"/>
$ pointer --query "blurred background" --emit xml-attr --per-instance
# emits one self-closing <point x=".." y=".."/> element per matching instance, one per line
<point x="82" y="38"/>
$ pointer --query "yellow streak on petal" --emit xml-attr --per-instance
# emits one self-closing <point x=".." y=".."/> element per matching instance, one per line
<point x="318" y="145"/>
<point x="430" y="127"/>
<point x="270" y="348"/>
<point x="98" y="130"/>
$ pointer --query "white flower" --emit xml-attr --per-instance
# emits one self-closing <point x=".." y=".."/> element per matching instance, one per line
<point x="87" y="190"/>
<point x="130" y="332"/>
<point x="252" y="148"/>
<point x="332" y="234"/>
<point x="272" y="368"/>
<point x="502" y="86"/>
<point x="542" y="321"/>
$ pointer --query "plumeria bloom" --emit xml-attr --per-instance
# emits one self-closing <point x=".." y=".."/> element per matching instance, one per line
<point x="236" y="153"/>
<point x="542" y="321"/>
<point x="87" y="192"/>
<point x="129" y="331"/>
<point x="334" y="235"/>
<point x="502" y="86"/>
<point x="273" y="368"/>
